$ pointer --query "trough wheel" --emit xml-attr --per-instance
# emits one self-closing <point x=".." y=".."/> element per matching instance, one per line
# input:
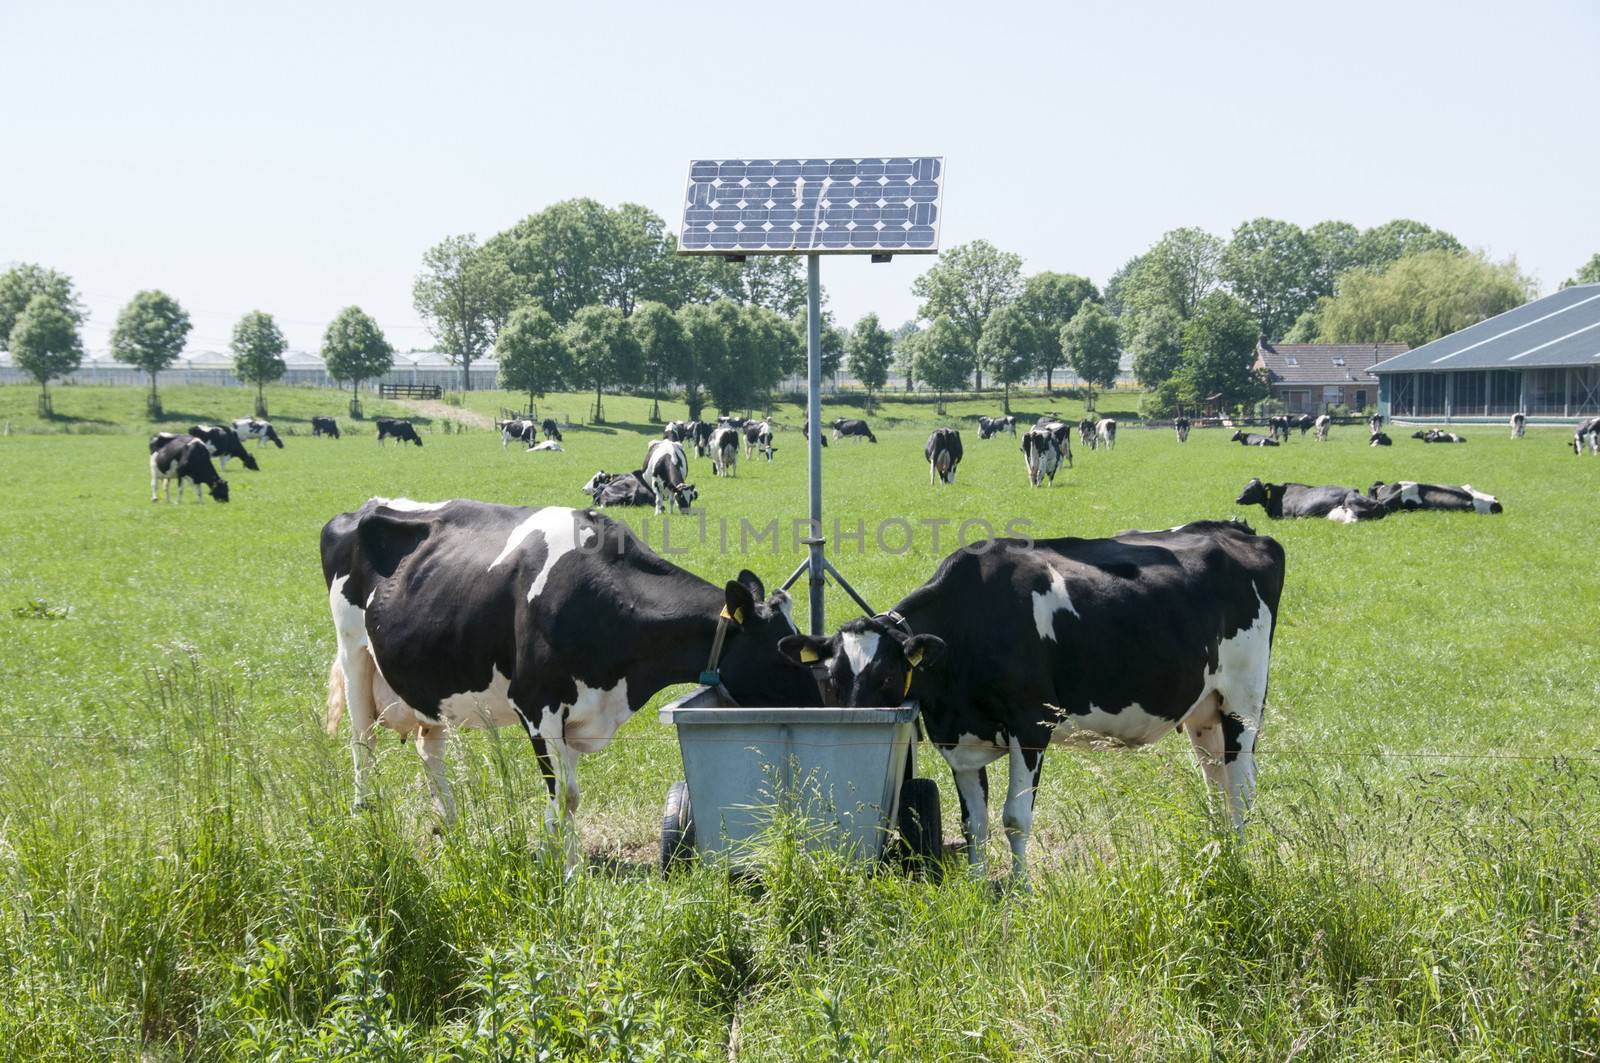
<point x="921" y="837"/>
<point x="677" y="829"/>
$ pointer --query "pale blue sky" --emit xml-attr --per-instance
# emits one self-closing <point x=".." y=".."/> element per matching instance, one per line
<point x="299" y="157"/>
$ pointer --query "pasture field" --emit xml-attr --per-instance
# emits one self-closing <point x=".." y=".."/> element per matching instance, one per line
<point x="181" y="876"/>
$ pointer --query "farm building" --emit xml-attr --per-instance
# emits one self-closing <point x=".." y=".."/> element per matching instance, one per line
<point x="1542" y="359"/>
<point x="1310" y="377"/>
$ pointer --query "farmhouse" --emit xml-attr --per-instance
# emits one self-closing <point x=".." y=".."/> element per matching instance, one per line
<point x="1310" y="377"/>
<point x="1542" y="359"/>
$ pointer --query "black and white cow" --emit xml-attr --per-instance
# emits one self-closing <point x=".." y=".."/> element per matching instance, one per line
<point x="1322" y="424"/>
<point x="223" y="443"/>
<point x="1087" y="434"/>
<point x="465" y="614"/>
<point x="1181" y="426"/>
<point x="184" y="459"/>
<point x="629" y="489"/>
<point x="258" y="430"/>
<point x="1106" y="429"/>
<point x="758" y="437"/>
<point x="1278" y="427"/>
<point x="724" y="449"/>
<point x="1305" y="424"/>
<point x="550" y="429"/>
<point x="1023" y="644"/>
<point x="805" y="433"/>
<point x="726" y="421"/>
<point x="1380" y="439"/>
<point x="993" y="426"/>
<point x="677" y="431"/>
<point x="1434" y="435"/>
<point x="324" y="426"/>
<point x="944" y="454"/>
<point x="1519" y="425"/>
<point x="522" y="429"/>
<point x="846" y="427"/>
<point x="1375" y="423"/>
<point x="1409" y="495"/>
<point x="1252" y="439"/>
<point x="597" y="482"/>
<point x="1589" y="430"/>
<point x="1044" y="446"/>
<point x="665" y="467"/>
<point x="1343" y="505"/>
<point x="700" y="436"/>
<point x="400" y="431"/>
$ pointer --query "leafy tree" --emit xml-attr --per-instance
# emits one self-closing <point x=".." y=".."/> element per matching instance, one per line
<point x="1272" y="267"/>
<point x="150" y="333"/>
<point x="942" y="356"/>
<point x="1157" y="346"/>
<point x="833" y="342"/>
<point x="1050" y="300"/>
<point x="967" y="284"/>
<point x="1009" y="347"/>
<point x="533" y="353"/>
<point x="1305" y="328"/>
<point x="258" y="349"/>
<point x="580" y="253"/>
<point x="637" y="267"/>
<point x="1589" y="274"/>
<point x="905" y="352"/>
<point x="1116" y="286"/>
<point x="1420" y="298"/>
<point x="44" y="343"/>
<point x="604" y="351"/>
<point x="1219" y="346"/>
<point x="663" y="348"/>
<point x="777" y="282"/>
<point x="707" y="348"/>
<point x="355" y="349"/>
<point x="1092" y="344"/>
<point x="18" y="286"/>
<point x="774" y="350"/>
<point x="1178" y="271"/>
<point x="461" y="292"/>
<point x="731" y="380"/>
<point x="1378" y="247"/>
<point x="871" y="349"/>
<point x="1333" y="249"/>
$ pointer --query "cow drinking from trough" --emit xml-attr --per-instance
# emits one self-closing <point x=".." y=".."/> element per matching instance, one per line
<point x="183" y="458"/>
<point x="943" y="452"/>
<point x="560" y="621"/>
<point x="1128" y="638"/>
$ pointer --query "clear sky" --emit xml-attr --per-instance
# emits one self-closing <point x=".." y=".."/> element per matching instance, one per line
<point x="299" y="157"/>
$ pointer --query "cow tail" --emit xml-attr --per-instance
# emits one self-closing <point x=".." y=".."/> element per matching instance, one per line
<point x="335" y="697"/>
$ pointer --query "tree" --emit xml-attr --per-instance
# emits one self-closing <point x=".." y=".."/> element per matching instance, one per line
<point x="1420" y="298"/>
<point x="871" y="349"/>
<point x="1178" y="271"/>
<point x="969" y="283"/>
<point x="18" y="286"/>
<point x="44" y="343"/>
<point x="833" y="342"/>
<point x="150" y="333"/>
<point x="461" y="292"/>
<point x="1387" y="243"/>
<point x="905" y="351"/>
<point x="258" y="349"/>
<point x="1092" y="344"/>
<point x="1157" y="346"/>
<point x="943" y="359"/>
<point x="355" y="349"/>
<point x="774" y="350"/>
<point x="1272" y="267"/>
<point x="1009" y="347"/>
<point x="663" y="348"/>
<point x="533" y="353"/>
<point x="707" y="347"/>
<point x="1333" y="249"/>
<point x="1050" y="300"/>
<point x="731" y="380"/>
<point x="1589" y="274"/>
<point x="604" y="351"/>
<point x="777" y="282"/>
<point x="1116" y="286"/>
<point x="1219" y="346"/>
<point x="580" y="253"/>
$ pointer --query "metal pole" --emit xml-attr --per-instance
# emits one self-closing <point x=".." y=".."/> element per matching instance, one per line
<point x="814" y="440"/>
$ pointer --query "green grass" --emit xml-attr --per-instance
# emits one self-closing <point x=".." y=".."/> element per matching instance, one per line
<point x="182" y="877"/>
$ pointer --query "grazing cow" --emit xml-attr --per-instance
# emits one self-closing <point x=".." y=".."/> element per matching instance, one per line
<point x="324" y="426"/>
<point x="183" y="458"/>
<point x="758" y="436"/>
<point x="700" y="436"/>
<point x="726" y="421"/>
<point x="1305" y="424"/>
<point x="258" y="430"/>
<point x="665" y="466"/>
<point x="1519" y="425"/>
<point x="401" y="431"/>
<point x="1375" y="423"/>
<point x="1434" y="435"/>
<point x="852" y="426"/>
<point x="1181" y="427"/>
<point x="1409" y="495"/>
<point x="944" y="454"/>
<point x="1380" y="439"/>
<point x="522" y="429"/>
<point x="560" y="621"/>
<point x="993" y="426"/>
<point x="547" y="445"/>
<point x="1127" y="638"/>
<point x="1278" y="427"/>
<point x="1322" y="424"/>
<point x="677" y="431"/>
<point x="1043" y="448"/>
<point x="805" y="433"/>
<point x="1589" y="430"/>
<point x="551" y="429"/>
<point x="1252" y="439"/>
<point x="1107" y="431"/>
<point x="223" y="443"/>
<point x="725" y="452"/>
<point x="1088" y="435"/>
<point x="629" y="489"/>
<point x="1343" y="505"/>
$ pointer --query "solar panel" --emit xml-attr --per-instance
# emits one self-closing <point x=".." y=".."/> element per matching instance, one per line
<point x="812" y="206"/>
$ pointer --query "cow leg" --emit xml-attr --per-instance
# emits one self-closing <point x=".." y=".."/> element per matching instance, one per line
<point x="558" y="760"/>
<point x="1205" y="734"/>
<point x="968" y="759"/>
<point x="358" y="675"/>
<point x="430" y="747"/>
<point x="1239" y="755"/>
<point x="1018" y="815"/>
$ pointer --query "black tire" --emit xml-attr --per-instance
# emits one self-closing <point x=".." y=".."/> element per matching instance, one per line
<point x="921" y="831"/>
<point x="677" y="829"/>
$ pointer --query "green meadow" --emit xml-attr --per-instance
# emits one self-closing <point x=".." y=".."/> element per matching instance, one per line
<point x="181" y="876"/>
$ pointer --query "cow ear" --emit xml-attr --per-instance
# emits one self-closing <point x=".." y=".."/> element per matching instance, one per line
<point x="758" y="590"/>
<point x="923" y="650"/>
<point x="805" y="649"/>
<point x="740" y="605"/>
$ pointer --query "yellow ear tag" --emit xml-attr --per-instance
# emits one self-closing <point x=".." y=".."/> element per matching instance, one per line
<point x="738" y="617"/>
<point x="906" y="693"/>
<point x="725" y="615"/>
<point x="808" y="655"/>
<point x="917" y="660"/>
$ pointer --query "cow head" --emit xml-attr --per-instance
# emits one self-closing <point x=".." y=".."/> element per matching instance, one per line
<point x="684" y="496"/>
<point x="1254" y="493"/>
<point x="219" y="490"/>
<point x="753" y="667"/>
<point x="869" y="663"/>
<point x="597" y="482"/>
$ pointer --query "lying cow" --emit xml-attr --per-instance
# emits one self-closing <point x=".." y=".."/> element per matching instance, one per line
<point x="1589" y="430"/>
<point x="1409" y="495"/>
<point x="665" y="466"/>
<point x="1044" y="446"/>
<point x="629" y="489"/>
<point x="1434" y="435"/>
<point x="597" y="482"/>
<point x="1127" y="638"/>
<point x="1343" y="505"/>
<point x="1323" y="423"/>
<point x="223" y="443"/>
<point x="324" y="426"/>
<point x="944" y="454"/>
<point x="560" y="621"/>
<point x="258" y="430"/>
<point x="725" y="452"/>
<point x="546" y="445"/>
<point x="184" y="459"/>
<point x="1380" y="439"/>
<point x="1106" y="429"/>
<point x="398" y="430"/>
<point x="845" y="427"/>
<point x="1252" y="439"/>
<point x="1181" y="427"/>
<point x="1519" y="425"/>
<point x="993" y="426"/>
